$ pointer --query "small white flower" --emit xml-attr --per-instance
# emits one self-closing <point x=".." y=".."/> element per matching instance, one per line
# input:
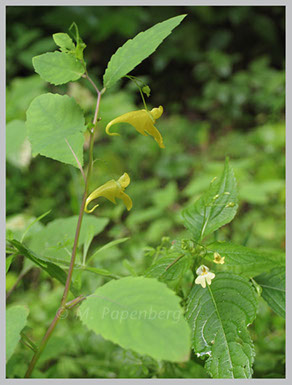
<point x="204" y="275"/>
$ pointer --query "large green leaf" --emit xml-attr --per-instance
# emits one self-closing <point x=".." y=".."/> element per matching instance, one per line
<point x="215" y="208"/>
<point x="135" y="50"/>
<point x="273" y="285"/>
<point x="219" y="316"/>
<point x="58" y="67"/>
<point x="242" y="260"/>
<point x="52" y="120"/>
<point x="141" y="314"/>
<point x="55" y="241"/>
<point x="16" y="317"/>
<point x="50" y="268"/>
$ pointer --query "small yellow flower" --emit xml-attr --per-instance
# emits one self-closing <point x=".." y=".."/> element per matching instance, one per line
<point x="218" y="259"/>
<point x="111" y="190"/>
<point x="204" y="275"/>
<point x="143" y="121"/>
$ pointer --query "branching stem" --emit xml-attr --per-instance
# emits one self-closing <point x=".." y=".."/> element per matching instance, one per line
<point x="63" y="306"/>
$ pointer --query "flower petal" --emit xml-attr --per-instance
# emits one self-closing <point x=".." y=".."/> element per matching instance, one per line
<point x="152" y="130"/>
<point x="156" y="112"/>
<point x="127" y="200"/>
<point x="200" y="280"/>
<point x="134" y="118"/>
<point x="124" y="180"/>
<point x="209" y="277"/>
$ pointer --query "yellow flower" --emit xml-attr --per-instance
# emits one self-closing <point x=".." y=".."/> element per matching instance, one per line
<point x="204" y="275"/>
<point x="111" y="190"/>
<point x="218" y="259"/>
<point x="143" y="121"/>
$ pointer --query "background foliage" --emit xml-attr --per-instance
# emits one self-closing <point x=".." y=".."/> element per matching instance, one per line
<point x="221" y="80"/>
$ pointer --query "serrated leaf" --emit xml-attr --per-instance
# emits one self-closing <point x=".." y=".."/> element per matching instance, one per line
<point x="50" y="268"/>
<point x="55" y="241"/>
<point x="141" y="314"/>
<point x="273" y="285"/>
<point x="64" y="41"/>
<point x="215" y="208"/>
<point x="219" y="316"/>
<point x="16" y="318"/>
<point x="51" y="120"/>
<point x="242" y="260"/>
<point x="58" y="67"/>
<point x="134" y="51"/>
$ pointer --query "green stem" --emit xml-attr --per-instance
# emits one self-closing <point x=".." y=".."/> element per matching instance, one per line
<point x="133" y="78"/>
<point x="73" y="257"/>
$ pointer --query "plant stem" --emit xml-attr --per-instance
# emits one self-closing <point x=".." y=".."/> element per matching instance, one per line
<point x="62" y="308"/>
<point x="75" y="301"/>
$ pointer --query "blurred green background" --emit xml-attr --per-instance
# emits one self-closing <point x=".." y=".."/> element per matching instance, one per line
<point x="220" y="77"/>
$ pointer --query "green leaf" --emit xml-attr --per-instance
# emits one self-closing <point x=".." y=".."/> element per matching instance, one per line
<point x="51" y="120"/>
<point x="16" y="318"/>
<point x="215" y="208"/>
<point x="18" y="150"/>
<point x="127" y="264"/>
<point x="107" y="246"/>
<point x="273" y="285"/>
<point x="102" y="272"/>
<point x="52" y="269"/>
<point x="8" y="261"/>
<point x="33" y="223"/>
<point x="169" y="268"/>
<point x="141" y="314"/>
<point x="219" y="316"/>
<point x="64" y="41"/>
<point x="19" y="94"/>
<point x="58" y="67"/>
<point x="134" y="51"/>
<point x="55" y="242"/>
<point x="242" y="260"/>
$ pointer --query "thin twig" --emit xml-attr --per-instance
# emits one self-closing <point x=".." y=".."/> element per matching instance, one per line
<point x="92" y="82"/>
<point x="98" y="97"/>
